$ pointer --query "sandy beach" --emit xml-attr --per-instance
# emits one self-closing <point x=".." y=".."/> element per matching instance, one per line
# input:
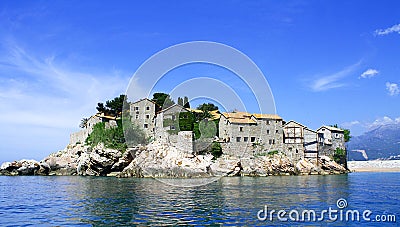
<point x="374" y="166"/>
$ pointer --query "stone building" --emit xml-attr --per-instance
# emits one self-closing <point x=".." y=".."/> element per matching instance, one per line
<point x="80" y="136"/>
<point x="293" y="139"/>
<point x="310" y="144"/>
<point x="143" y="114"/>
<point x="244" y="134"/>
<point x="330" y="138"/>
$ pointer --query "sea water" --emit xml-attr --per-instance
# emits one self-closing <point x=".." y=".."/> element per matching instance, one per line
<point x="229" y="201"/>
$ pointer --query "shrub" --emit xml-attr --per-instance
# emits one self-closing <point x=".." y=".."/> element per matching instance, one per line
<point x="272" y="153"/>
<point x="339" y="156"/>
<point x="216" y="150"/>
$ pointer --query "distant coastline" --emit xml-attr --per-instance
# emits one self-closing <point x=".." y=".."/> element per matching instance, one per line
<point x="374" y="166"/>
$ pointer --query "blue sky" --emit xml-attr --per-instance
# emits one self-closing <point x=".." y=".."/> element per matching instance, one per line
<point x="326" y="62"/>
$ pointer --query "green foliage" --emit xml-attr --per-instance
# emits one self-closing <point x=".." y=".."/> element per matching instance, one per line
<point x="205" y="129"/>
<point x="339" y="156"/>
<point x="117" y="137"/>
<point x="180" y="101"/>
<point x="111" y="137"/>
<point x="163" y="100"/>
<point x="186" y="103"/>
<point x="186" y="121"/>
<point x="208" y="129"/>
<point x="207" y="107"/>
<point x="347" y="135"/>
<point x="134" y="135"/>
<point x="113" y="107"/>
<point x="216" y="150"/>
<point x="272" y="153"/>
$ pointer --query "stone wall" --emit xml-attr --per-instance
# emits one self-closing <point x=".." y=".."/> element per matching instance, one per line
<point x="78" y="137"/>
<point x="240" y="139"/>
<point x="143" y="114"/>
<point x="185" y="141"/>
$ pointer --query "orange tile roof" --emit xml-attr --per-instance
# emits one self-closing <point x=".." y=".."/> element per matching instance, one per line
<point x="239" y="117"/>
<point x="267" y="116"/>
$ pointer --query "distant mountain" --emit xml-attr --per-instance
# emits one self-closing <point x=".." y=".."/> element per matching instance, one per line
<point x="382" y="142"/>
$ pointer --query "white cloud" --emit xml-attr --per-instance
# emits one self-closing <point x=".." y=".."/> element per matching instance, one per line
<point x="36" y="91"/>
<point x="392" y="88"/>
<point x="327" y="82"/>
<point x="369" y="73"/>
<point x="394" y="28"/>
<point x="350" y="124"/>
<point x="45" y="99"/>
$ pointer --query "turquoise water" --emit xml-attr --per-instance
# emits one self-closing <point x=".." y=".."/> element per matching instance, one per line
<point x="108" y="201"/>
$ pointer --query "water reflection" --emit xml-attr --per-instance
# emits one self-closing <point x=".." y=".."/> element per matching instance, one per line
<point x="102" y="201"/>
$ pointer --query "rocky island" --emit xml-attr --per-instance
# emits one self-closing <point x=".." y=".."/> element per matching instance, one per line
<point x="180" y="142"/>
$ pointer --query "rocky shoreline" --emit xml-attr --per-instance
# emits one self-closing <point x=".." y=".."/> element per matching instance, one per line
<point x="162" y="161"/>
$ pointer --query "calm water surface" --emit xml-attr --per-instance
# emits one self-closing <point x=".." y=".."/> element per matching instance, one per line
<point x="107" y="201"/>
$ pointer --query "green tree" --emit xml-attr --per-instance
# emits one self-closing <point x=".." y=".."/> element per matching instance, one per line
<point x="216" y="150"/>
<point x="186" y="103"/>
<point x="113" y="107"/>
<point x="180" y="101"/>
<point x="163" y="100"/>
<point x="207" y="107"/>
<point x="83" y="123"/>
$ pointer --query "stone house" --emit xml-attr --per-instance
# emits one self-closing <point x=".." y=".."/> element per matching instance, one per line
<point x="244" y="134"/>
<point x="293" y="139"/>
<point x="329" y="139"/>
<point x="310" y="144"/>
<point x="143" y="114"/>
<point x="299" y="141"/>
<point x="80" y="136"/>
<point x="166" y="121"/>
<point x="167" y="129"/>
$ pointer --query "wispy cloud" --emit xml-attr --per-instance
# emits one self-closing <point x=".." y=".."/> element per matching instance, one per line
<point x="334" y="80"/>
<point x="392" y="88"/>
<point x="350" y="124"/>
<point x="386" y="31"/>
<point x="369" y="73"/>
<point x="37" y="91"/>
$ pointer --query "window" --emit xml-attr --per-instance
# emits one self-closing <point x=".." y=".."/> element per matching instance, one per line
<point x="136" y="108"/>
<point x="173" y="117"/>
<point x="273" y="141"/>
<point x="147" y="107"/>
<point x="277" y="131"/>
<point x="270" y="141"/>
<point x="147" y="116"/>
<point x="137" y="116"/>
<point x="146" y="125"/>
<point x="268" y="122"/>
<point x="252" y="139"/>
<point x="245" y="139"/>
<point x="238" y="139"/>
<point x="241" y="129"/>
<point x="268" y="131"/>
